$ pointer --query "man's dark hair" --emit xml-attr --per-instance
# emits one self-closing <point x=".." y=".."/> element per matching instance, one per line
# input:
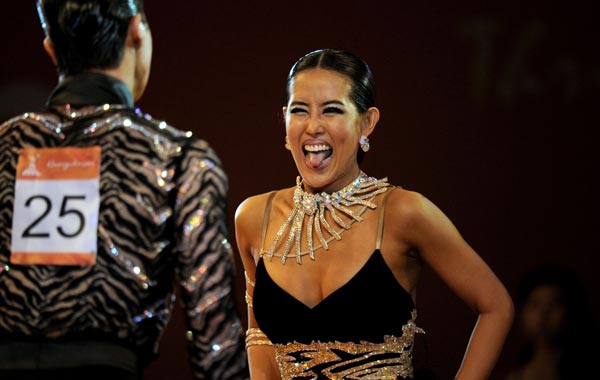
<point x="87" y="34"/>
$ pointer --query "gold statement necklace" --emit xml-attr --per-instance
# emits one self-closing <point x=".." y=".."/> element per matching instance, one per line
<point x="359" y="192"/>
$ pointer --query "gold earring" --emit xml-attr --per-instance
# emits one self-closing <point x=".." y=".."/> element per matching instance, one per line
<point x="287" y="143"/>
<point x="364" y="143"/>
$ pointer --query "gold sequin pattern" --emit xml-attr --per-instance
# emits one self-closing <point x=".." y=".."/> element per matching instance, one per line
<point x="391" y="359"/>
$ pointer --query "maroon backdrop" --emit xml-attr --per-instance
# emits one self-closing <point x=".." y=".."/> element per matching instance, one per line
<point x="486" y="110"/>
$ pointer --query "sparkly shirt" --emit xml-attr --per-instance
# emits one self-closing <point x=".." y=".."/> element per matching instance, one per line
<point x="162" y="221"/>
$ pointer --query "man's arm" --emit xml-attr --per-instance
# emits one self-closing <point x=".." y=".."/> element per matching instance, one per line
<point x="206" y="267"/>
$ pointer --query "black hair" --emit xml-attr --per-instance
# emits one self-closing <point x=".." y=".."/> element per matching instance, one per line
<point x="362" y="91"/>
<point x="87" y="34"/>
<point x="362" y="84"/>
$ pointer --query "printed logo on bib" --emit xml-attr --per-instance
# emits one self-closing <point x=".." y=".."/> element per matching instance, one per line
<point x="57" y="201"/>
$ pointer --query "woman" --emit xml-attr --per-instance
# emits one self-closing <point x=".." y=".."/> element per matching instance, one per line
<point x="557" y="328"/>
<point x="329" y="289"/>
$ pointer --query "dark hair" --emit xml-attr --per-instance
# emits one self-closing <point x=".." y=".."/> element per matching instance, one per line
<point x="87" y="34"/>
<point x="362" y="88"/>
<point x="362" y="91"/>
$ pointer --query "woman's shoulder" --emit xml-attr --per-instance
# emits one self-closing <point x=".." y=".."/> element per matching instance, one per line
<point x="409" y="208"/>
<point x="250" y="216"/>
<point x="252" y="204"/>
<point x="416" y="218"/>
<point x="255" y="205"/>
<point x="406" y="202"/>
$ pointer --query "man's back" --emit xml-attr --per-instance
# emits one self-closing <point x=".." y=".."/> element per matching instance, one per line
<point x="161" y="215"/>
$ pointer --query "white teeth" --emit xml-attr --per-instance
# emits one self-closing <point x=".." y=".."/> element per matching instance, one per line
<point x="317" y="148"/>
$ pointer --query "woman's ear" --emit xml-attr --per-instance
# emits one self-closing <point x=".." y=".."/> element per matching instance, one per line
<point x="370" y="120"/>
<point x="49" y="47"/>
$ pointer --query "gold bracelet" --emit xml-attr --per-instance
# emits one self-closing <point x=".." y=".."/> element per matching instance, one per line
<point x="255" y="337"/>
<point x="258" y="343"/>
<point x="253" y="331"/>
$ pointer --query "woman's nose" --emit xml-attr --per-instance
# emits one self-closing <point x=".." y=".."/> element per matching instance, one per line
<point x="315" y="125"/>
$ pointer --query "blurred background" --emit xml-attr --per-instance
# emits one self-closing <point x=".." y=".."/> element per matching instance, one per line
<point x="488" y="109"/>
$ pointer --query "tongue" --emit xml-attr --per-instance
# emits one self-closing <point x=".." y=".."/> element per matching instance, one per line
<point x="315" y="159"/>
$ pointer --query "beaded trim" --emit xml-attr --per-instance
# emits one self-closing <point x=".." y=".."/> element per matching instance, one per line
<point x="335" y="360"/>
<point x="359" y="192"/>
<point x="247" y="296"/>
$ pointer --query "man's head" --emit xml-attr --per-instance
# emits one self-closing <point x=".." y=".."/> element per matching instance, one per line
<point x="97" y="35"/>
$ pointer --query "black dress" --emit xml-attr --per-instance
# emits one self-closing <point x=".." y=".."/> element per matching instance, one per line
<point x="363" y="330"/>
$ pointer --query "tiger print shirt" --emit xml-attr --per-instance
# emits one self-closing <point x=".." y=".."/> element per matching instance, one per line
<point x="161" y="221"/>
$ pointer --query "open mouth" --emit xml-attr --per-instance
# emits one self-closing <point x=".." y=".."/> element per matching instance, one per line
<point x="316" y="154"/>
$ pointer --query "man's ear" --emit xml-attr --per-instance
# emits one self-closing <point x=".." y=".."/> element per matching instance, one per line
<point x="371" y="118"/>
<point x="138" y="30"/>
<point x="49" y="47"/>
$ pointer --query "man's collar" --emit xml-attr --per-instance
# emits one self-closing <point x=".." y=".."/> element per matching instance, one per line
<point x="88" y="89"/>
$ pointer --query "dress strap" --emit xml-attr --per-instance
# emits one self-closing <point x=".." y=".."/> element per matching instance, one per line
<point x="263" y="233"/>
<point x="381" y="217"/>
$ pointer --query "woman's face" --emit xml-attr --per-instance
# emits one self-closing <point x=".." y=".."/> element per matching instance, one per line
<point x="543" y="315"/>
<point x="323" y="127"/>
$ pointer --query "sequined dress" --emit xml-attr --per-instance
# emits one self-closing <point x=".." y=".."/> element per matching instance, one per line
<point x="363" y="330"/>
<point x="162" y="221"/>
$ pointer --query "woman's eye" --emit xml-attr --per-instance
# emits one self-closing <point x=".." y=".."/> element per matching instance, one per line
<point x="298" y="110"/>
<point x="333" y="110"/>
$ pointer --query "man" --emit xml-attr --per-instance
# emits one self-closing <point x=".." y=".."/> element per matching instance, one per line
<point x="102" y="209"/>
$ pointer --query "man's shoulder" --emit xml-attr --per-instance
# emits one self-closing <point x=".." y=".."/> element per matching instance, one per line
<point x="162" y="128"/>
<point x="13" y="120"/>
<point x="44" y="121"/>
<point x="28" y="116"/>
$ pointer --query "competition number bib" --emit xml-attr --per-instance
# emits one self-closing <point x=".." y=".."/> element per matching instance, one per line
<point x="57" y="198"/>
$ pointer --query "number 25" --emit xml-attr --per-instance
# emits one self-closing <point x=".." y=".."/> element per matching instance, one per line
<point x="64" y="211"/>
